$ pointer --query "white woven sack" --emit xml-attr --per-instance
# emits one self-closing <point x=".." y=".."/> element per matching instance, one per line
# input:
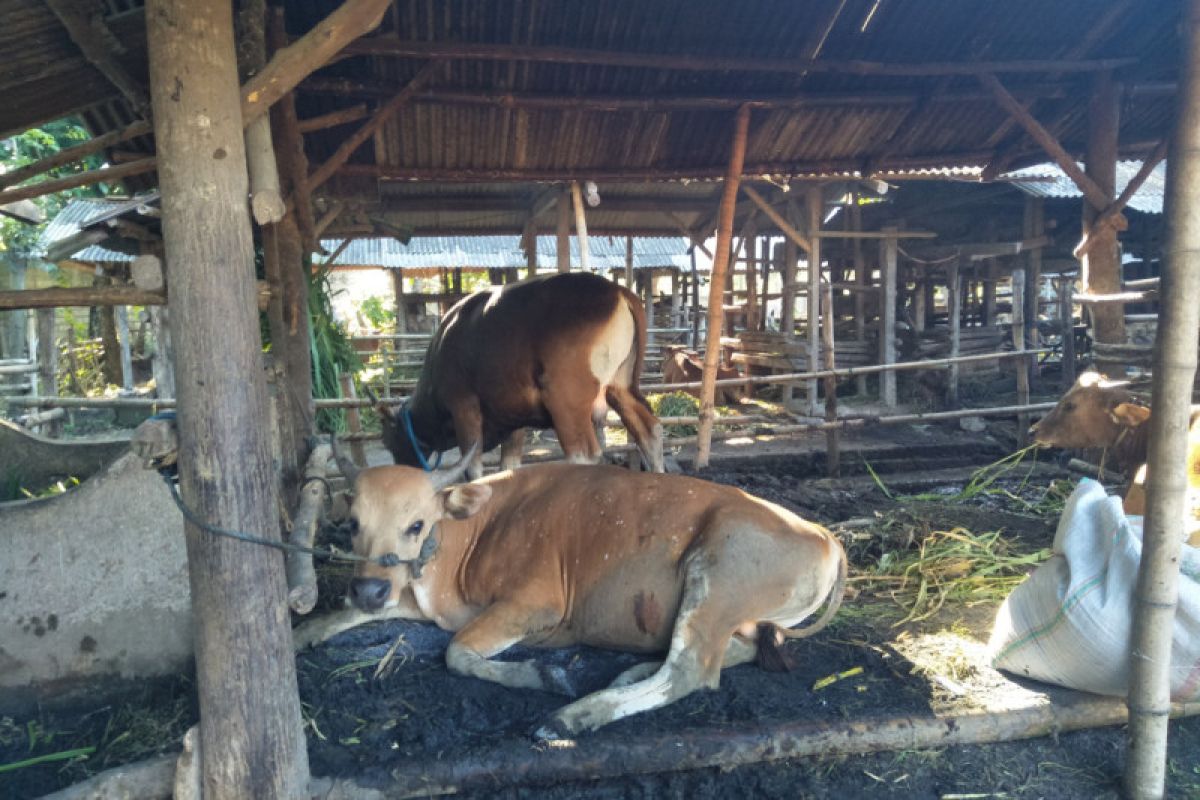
<point x="1070" y="622"/>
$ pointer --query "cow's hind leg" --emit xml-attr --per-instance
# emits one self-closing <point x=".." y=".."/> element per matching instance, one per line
<point x="699" y="644"/>
<point x="468" y="431"/>
<point x="570" y="408"/>
<point x="498" y="628"/>
<point x="641" y="423"/>
<point x="511" y="449"/>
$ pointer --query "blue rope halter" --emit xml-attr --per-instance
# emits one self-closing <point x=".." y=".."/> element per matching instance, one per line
<point x="406" y="418"/>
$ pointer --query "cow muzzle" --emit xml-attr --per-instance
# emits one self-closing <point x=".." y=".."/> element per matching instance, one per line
<point x="370" y="594"/>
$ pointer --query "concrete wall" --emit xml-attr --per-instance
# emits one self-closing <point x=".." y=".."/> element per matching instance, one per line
<point x="93" y="582"/>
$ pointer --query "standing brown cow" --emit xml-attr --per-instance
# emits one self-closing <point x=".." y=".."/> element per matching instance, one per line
<point x="552" y="351"/>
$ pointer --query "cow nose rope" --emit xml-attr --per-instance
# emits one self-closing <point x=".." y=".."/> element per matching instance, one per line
<point x="406" y="419"/>
<point x="385" y="560"/>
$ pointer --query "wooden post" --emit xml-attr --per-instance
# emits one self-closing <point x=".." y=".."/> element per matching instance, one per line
<point x="862" y="281"/>
<point x="1101" y="264"/>
<point x="1034" y="226"/>
<point x="529" y="238"/>
<point x="251" y="733"/>
<point x="712" y="349"/>
<point x="1021" y="365"/>
<point x="833" y="457"/>
<point x="401" y="305"/>
<point x="676" y="299"/>
<point x="1066" y="318"/>
<point x="122" y="316"/>
<point x="1166" y="501"/>
<point x="695" y="335"/>
<point x="888" y="251"/>
<point x="629" y="282"/>
<point x="353" y="419"/>
<point x="954" y="314"/>
<point x="787" y="311"/>
<point x="581" y="233"/>
<point x="920" y="297"/>
<point x="814" y="209"/>
<point x="988" y="315"/>
<point x="266" y="196"/>
<point x="563" y="232"/>
<point x="110" y="341"/>
<point x="47" y="362"/>
<point x="750" y="271"/>
<point x="647" y="276"/>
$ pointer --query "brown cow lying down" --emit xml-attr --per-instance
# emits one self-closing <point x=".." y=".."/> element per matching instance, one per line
<point x="681" y="365"/>
<point x="561" y="554"/>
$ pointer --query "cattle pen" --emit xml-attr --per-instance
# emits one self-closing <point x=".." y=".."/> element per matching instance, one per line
<point x="904" y="225"/>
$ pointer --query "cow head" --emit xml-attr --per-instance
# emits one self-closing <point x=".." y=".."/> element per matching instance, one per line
<point x="395" y="511"/>
<point x="1092" y="414"/>
<point x="395" y="437"/>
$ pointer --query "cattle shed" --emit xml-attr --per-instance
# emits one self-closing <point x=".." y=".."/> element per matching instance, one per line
<point x="866" y="167"/>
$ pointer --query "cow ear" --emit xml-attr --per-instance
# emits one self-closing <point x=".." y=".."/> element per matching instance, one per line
<point x="1129" y="415"/>
<point x="465" y="499"/>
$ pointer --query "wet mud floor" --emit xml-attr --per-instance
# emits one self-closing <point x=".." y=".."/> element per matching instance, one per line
<point x="365" y="724"/>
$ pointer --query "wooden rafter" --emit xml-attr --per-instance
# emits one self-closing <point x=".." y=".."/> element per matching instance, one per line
<point x="100" y="47"/>
<point x="368" y="128"/>
<point x="1091" y="190"/>
<point x="298" y="60"/>
<point x="76" y="153"/>
<point x="696" y="241"/>
<point x="334" y="118"/>
<point x="788" y="229"/>
<point x="110" y="174"/>
<point x="386" y="46"/>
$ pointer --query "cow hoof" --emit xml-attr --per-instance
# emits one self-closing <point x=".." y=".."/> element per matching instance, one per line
<point x="555" y="679"/>
<point x="552" y="732"/>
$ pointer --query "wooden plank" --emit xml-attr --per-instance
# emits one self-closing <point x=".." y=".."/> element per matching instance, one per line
<point x="99" y="296"/>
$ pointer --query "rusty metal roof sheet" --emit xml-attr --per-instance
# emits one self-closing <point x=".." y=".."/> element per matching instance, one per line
<point x="1048" y="180"/>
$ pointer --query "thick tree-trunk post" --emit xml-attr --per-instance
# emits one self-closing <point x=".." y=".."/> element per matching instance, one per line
<point x="399" y="301"/>
<point x="1166" y="500"/>
<point x="712" y="349"/>
<point x="833" y="457"/>
<point x="954" y="313"/>
<point x="1034" y="227"/>
<point x="251" y="734"/>
<point x="1101" y="265"/>
<point x="787" y="311"/>
<point x="289" y="321"/>
<point x="266" y="196"/>
<point x="888" y="252"/>
<point x="581" y="234"/>
<point x="1021" y="365"/>
<point x="1066" y="319"/>
<point x="814" y="207"/>
<point x="562" y="232"/>
<point x="47" y="362"/>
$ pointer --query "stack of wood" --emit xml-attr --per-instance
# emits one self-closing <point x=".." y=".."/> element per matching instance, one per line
<point x="935" y="343"/>
<point x="774" y="352"/>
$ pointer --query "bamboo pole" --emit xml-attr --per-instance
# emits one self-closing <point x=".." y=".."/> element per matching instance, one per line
<point x="954" y="313"/>
<point x="712" y="349"/>
<point x="1033" y="225"/>
<point x="1166" y="495"/>
<point x="888" y="251"/>
<point x="1066" y="319"/>
<point x="814" y="208"/>
<point x="1018" y="340"/>
<point x="581" y="233"/>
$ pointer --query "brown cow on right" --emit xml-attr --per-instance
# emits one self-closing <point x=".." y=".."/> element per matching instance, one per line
<point x="1097" y="412"/>
<point x="681" y="365"/>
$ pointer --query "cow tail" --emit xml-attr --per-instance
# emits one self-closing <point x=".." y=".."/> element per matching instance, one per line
<point x="641" y="337"/>
<point x="835" y="598"/>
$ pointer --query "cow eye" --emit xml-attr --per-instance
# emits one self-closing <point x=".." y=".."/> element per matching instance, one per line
<point x="353" y="526"/>
<point x="415" y="528"/>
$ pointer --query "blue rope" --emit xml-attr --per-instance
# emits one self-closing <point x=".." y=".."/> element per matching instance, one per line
<point x="406" y="417"/>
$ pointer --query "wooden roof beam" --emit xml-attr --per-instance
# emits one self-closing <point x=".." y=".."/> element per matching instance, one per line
<point x="788" y="229"/>
<point x="100" y="47"/>
<point x="386" y="46"/>
<point x="334" y="118"/>
<point x="1108" y="216"/>
<point x="109" y="174"/>
<point x="1095" y="195"/>
<point x="76" y="153"/>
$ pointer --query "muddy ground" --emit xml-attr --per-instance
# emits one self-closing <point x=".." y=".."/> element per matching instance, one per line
<point x="364" y="725"/>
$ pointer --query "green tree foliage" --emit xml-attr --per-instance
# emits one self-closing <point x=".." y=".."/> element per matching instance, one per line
<point x="18" y="239"/>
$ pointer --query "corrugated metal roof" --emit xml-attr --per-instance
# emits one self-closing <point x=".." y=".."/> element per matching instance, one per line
<point x="1048" y="180"/>
<point x="504" y="252"/>
<point x="82" y="213"/>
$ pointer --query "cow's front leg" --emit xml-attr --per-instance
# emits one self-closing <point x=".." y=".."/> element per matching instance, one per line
<point x="498" y="628"/>
<point x="314" y="631"/>
<point x="511" y="449"/>
<point x="468" y="431"/>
